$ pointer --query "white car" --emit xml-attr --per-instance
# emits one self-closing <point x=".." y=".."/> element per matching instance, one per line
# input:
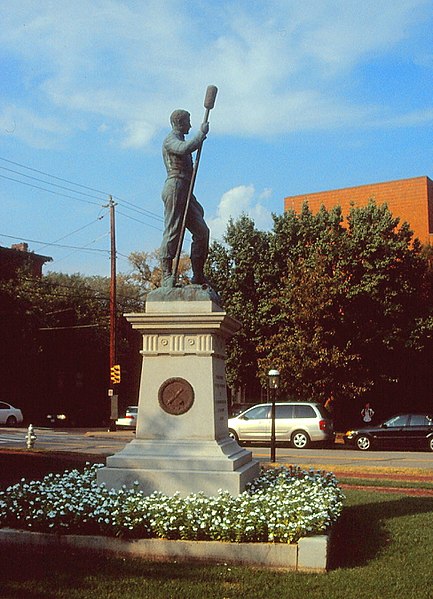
<point x="130" y="419"/>
<point x="299" y="423"/>
<point x="9" y="415"/>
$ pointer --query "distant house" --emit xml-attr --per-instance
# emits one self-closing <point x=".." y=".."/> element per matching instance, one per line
<point x="18" y="257"/>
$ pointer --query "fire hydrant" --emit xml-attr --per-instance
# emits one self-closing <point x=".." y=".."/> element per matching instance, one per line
<point x="30" y="437"/>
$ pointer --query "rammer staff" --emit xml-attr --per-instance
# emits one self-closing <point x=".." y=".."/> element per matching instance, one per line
<point x="209" y="103"/>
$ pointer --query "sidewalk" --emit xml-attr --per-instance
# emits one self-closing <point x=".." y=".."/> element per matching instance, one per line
<point x="119" y="433"/>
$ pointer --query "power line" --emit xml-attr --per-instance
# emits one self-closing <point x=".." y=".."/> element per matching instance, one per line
<point x="76" y="326"/>
<point x="35" y="184"/>
<point x="127" y="205"/>
<point x="83" y="248"/>
<point x="122" y="255"/>
<point x="54" y="177"/>
<point x="72" y="233"/>
<point x="139" y="209"/>
<point x="48" y="183"/>
<point x="139" y="221"/>
<point x="73" y="247"/>
<point x="50" y="190"/>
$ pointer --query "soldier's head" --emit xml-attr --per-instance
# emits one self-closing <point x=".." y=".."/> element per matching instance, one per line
<point x="180" y="121"/>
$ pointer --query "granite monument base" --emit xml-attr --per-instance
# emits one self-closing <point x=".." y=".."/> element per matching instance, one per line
<point x="182" y="442"/>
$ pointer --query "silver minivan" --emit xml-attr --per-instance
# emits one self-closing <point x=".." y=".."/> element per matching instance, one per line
<point x="300" y="423"/>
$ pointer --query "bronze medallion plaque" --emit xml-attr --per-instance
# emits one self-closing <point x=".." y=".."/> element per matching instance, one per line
<point x="176" y="396"/>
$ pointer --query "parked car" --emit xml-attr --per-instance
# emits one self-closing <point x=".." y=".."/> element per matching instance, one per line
<point x="403" y="431"/>
<point x="238" y="408"/>
<point x="58" y="419"/>
<point x="130" y="419"/>
<point x="300" y="423"/>
<point x="9" y="415"/>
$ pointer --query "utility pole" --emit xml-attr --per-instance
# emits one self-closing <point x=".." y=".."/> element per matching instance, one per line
<point x="113" y="290"/>
<point x="114" y="367"/>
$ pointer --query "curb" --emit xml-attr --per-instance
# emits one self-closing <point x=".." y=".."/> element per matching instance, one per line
<point x="310" y="554"/>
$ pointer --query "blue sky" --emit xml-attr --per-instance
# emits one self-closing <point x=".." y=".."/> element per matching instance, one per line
<point x="313" y="95"/>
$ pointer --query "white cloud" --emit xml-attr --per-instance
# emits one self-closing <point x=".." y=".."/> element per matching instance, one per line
<point x="36" y="131"/>
<point x="239" y="200"/>
<point x="138" y="134"/>
<point x="265" y="194"/>
<point x="418" y="117"/>
<point x="278" y="64"/>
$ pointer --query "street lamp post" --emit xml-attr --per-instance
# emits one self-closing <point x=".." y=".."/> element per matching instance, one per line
<point x="274" y="380"/>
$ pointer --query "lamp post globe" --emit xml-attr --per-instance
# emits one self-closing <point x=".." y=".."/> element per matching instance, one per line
<point x="274" y="378"/>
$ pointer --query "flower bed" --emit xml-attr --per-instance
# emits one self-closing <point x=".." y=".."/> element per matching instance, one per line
<point x="281" y="506"/>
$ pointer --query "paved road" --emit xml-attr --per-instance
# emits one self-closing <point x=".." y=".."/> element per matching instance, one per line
<point x="79" y="440"/>
<point x="340" y="456"/>
<point x="104" y="443"/>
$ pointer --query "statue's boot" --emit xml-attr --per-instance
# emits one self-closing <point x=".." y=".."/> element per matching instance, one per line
<point x="167" y="272"/>
<point x="198" y="277"/>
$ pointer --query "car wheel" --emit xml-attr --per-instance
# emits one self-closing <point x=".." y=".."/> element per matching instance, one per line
<point x="430" y="443"/>
<point x="300" y="440"/>
<point x="233" y="435"/>
<point x="363" y="443"/>
<point x="11" y="421"/>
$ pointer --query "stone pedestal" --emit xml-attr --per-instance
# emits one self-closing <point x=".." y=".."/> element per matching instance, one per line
<point x="182" y="441"/>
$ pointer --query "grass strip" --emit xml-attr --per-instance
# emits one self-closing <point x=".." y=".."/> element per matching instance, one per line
<point x="364" y="471"/>
<point x="394" y="484"/>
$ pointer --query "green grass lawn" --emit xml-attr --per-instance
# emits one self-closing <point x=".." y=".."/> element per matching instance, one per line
<point x="382" y="548"/>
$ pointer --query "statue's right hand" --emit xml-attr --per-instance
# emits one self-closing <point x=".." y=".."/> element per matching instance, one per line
<point x="204" y="128"/>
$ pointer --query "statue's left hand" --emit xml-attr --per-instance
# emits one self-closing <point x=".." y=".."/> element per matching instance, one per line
<point x="204" y="128"/>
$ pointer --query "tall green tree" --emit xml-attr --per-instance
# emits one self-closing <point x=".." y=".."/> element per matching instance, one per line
<point x="55" y="342"/>
<point x="236" y="270"/>
<point x="336" y="305"/>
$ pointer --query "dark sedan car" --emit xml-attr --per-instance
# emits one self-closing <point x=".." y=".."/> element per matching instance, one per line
<point x="404" y="431"/>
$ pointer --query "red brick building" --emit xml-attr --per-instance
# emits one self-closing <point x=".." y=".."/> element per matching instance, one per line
<point x="18" y="256"/>
<point x="409" y="199"/>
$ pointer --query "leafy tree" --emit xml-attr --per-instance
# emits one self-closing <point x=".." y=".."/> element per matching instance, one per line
<point x="56" y="341"/>
<point x="147" y="274"/>
<point x="307" y="346"/>
<point x="236" y="269"/>
<point x="336" y="306"/>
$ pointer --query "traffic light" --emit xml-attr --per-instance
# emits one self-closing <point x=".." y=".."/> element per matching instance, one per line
<point x="115" y="374"/>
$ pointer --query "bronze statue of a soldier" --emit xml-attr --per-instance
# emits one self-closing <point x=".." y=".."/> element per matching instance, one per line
<point x="177" y="155"/>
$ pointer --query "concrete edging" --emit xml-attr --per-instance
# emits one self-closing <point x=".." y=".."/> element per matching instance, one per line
<point x="310" y="554"/>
